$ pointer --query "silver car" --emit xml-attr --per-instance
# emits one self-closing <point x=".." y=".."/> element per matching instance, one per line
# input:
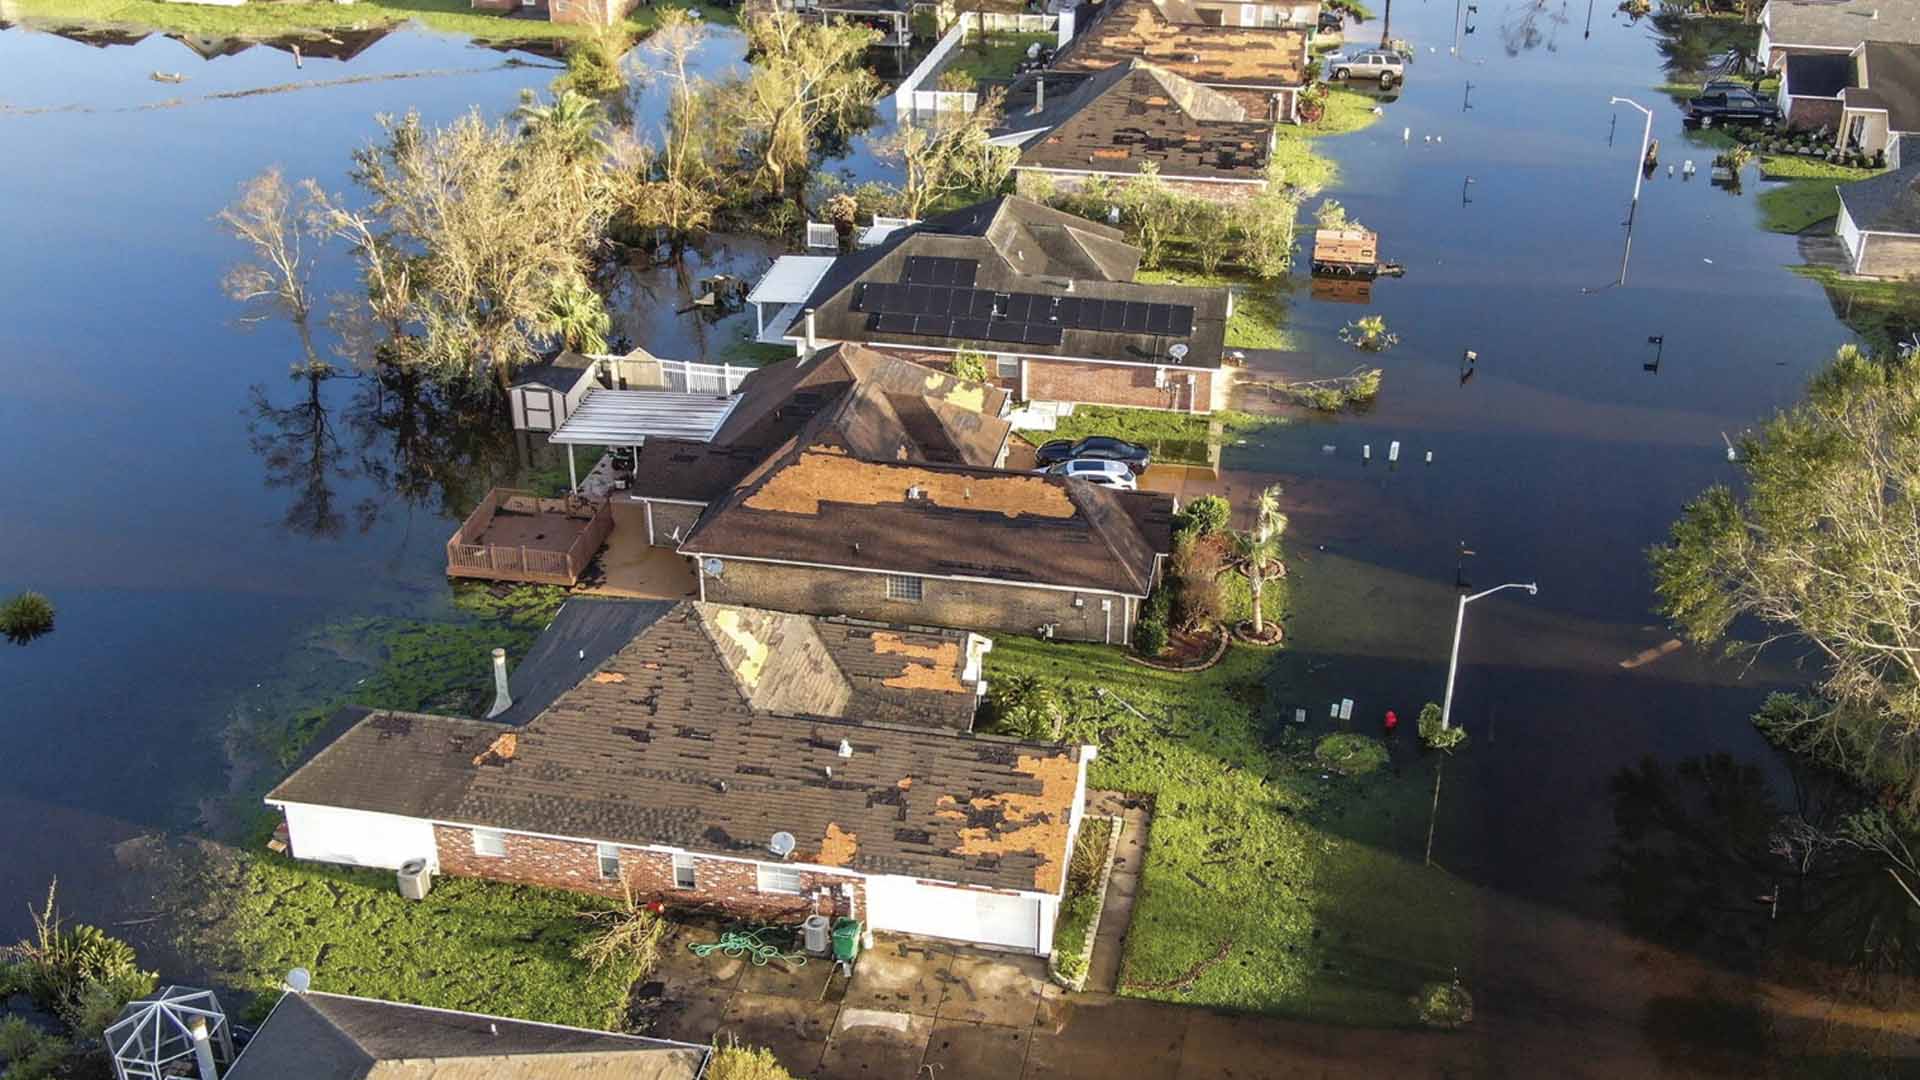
<point x="1387" y="66"/>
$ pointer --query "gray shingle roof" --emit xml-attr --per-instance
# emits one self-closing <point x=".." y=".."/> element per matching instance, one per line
<point x="1842" y="23"/>
<point x="1885" y="203"/>
<point x="316" y="1036"/>
<point x="1893" y="74"/>
<point x="1819" y="74"/>
<point x="1136" y="114"/>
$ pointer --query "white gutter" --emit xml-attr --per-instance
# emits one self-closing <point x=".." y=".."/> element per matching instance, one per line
<point x="908" y="573"/>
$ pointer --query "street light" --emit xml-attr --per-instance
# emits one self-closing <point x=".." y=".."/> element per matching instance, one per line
<point x="1459" y="618"/>
<point x="1646" y="136"/>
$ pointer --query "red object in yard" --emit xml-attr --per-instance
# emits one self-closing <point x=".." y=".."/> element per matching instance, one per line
<point x="1392" y="721"/>
<point x="656" y="907"/>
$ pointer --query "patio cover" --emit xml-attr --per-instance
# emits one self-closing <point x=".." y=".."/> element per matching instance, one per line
<point x="630" y="417"/>
<point x="791" y="279"/>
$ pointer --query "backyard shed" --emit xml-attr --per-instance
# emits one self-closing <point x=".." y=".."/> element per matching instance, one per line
<point x="543" y="396"/>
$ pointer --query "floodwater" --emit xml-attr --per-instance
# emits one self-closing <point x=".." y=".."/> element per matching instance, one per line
<point x="192" y="520"/>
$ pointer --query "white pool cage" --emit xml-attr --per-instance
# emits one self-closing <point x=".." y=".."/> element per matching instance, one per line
<point x="179" y="1032"/>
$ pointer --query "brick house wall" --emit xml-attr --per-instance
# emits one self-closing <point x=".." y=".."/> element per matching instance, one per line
<point x="1891" y="256"/>
<point x="670" y="516"/>
<point x="1810" y="112"/>
<point x="1119" y="384"/>
<point x="962" y="605"/>
<point x="1040" y="186"/>
<point x="589" y="12"/>
<point x="575" y="866"/>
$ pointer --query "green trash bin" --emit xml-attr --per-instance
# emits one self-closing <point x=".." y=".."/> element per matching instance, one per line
<point x="846" y="940"/>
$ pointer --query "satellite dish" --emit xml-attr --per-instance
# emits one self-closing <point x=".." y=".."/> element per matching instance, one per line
<point x="299" y="979"/>
<point x="782" y="844"/>
<point x="1178" y="352"/>
<point x="713" y="567"/>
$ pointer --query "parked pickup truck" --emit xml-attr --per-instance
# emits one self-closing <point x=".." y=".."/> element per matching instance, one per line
<point x="1722" y="103"/>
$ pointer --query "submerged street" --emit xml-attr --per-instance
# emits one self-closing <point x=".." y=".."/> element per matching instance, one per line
<point x="197" y="538"/>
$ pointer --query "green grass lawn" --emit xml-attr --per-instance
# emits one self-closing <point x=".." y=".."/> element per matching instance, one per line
<point x="1265" y="887"/>
<point x="472" y="945"/>
<point x="1795" y="205"/>
<point x="1883" y="312"/>
<point x="997" y="57"/>
<point x="1347" y="111"/>
<point x="1172" y="436"/>
<point x="309" y="17"/>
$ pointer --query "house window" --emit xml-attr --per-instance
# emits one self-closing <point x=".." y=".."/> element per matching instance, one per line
<point x="1006" y="367"/>
<point x="903" y="587"/>
<point x="683" y="876"/>
<point x="489" y="843"/>
<point x="779" y="879"/>
<point x="609" y="860"/>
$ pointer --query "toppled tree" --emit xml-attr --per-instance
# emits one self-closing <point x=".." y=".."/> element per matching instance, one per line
<point x="808" y="83"/>
<point x="950" y="158"/>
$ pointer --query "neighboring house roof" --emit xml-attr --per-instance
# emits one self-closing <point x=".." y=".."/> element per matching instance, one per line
<point x="1841" y="24"/>
<point x="1217" y="55"/>
<point x="1892" y="72"/>
<point x="1134" y="114"/>
<point x="583" y="633"/>
<point x="410" y="764"/>
<point x="815" y="503"/>
<point x="719" y="726"/>
<point x="316" y="1036"/>
<point x="1889" y="202"/>
<point x="1035" y="255"/>
<point x="880" y="404"/>
<point x="562" y="373"/>
<point x="1819" y="74"/>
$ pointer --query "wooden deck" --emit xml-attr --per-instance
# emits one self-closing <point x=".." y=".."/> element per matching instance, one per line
<point x="515" y="535"/>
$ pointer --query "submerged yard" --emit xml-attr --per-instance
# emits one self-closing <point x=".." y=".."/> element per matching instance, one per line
<point x="314" y="17"/>
<point x="1268" y="885"/>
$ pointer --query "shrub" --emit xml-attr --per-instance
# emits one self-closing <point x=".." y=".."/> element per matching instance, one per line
<point x="731" y="1061"/>
<point x="29" y="1053"/>
<point x="1350" y="754"/>
<point x="1023" y="706"/>
<point x="593" y="64"/>
<point x="957" y="82"/>
<point x="25" y="617"/>
<point x="1331" y="215"/>
<point x="1150" y="636"/>
<point x="1198" y="600"/>
<point x="1444" y="1005"/>
<point x="1204" y="516"/>
<point x="970" y="365"/>
<point x="75" y="972"/>
<point x="1436" y="737"/>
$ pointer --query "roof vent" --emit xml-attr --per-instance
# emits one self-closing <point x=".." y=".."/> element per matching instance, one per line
<point x="781" y="844"/>
<point x="846" y="748"/>
<point x="916" y="492"/>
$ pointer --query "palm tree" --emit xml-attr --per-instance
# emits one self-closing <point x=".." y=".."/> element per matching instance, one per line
<point x="576" y="316"/>
<point x="571" y="122"/>
<point x="1257" y="552"/>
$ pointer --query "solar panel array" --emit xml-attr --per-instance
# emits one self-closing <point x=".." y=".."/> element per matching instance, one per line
<point x="960" y="311"/>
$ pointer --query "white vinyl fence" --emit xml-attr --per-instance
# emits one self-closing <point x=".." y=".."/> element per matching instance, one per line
<point x="691" y="378"/>
<point x="920" y="92"/>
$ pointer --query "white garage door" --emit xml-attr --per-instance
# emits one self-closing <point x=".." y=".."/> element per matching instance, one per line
<point x="906" y="906"/>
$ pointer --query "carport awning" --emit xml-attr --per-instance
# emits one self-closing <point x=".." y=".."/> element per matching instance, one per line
<point x="791" y="279"/>
<point x="630" y="417"/>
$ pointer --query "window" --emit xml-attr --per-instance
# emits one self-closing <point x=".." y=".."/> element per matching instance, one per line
<point x="779" y="879"/>
<point x="683" y="876"/>
<point x="609" y="860"/>
<point x="903" y="587"/>
<point x="489" y="843"/>
<point x="1006" y="367"/>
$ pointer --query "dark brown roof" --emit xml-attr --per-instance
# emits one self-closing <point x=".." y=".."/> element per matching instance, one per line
<point x="1019" y="246"/>
<point x="1140" y="114"/>
<point x="316" y="1036"/>
<point x="880" y="403"/>
<point x="1215" y="55"/>
<point x="678" y="740"/>
<point x="815" y="504"/>
<point x="411" y="764"/>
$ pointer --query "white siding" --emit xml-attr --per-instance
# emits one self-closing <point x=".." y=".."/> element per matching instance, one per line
<point x="1018" y="921"/>
<point x="1849" y="234"/>
<point x="357" y="837"/>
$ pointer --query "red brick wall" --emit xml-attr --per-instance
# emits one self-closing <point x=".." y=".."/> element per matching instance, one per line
<point x="1812" y="113"/>
<point x="1039" y="186"/>
<point x="1118" y="384"/>
<point x="589" y="12"/>
<point x="573" y="865"/>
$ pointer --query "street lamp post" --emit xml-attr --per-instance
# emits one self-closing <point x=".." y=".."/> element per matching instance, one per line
<point x="1459" y="619"/>
<point x="1646" y="136"/>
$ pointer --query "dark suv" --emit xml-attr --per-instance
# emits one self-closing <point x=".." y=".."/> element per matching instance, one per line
<point x="1722" y="103"/>
<point x="1096" y="447"/>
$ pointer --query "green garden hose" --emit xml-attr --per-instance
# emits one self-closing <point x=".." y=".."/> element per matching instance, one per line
<point x="747" y="943"/>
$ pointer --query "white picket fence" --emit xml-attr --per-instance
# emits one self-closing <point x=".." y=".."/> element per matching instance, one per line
<point x="688" y="377"/>
<point x="919" y="93"/>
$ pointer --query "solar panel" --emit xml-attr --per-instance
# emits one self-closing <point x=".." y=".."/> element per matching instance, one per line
<point x="970" y="328"/>
<point x="938" y="297"/>
<point x="1182" y="320"/>
<point x="1159" y="317"/>
<point x="893" y="323"/>
<point x="1009" y="332"/>
<point x="933" y="325"/>
<point x="1136" y="318"/>
<point x="1018" y="307"/>
<point x="962" y="302"/>
<point x="1043" y="334"/>
<point x="984" y="302"/>
<point x="1067" y="311"/>
<point x="919" y="300"/>
<point x="1113" y="316"/>
<point x="965" y="272"/>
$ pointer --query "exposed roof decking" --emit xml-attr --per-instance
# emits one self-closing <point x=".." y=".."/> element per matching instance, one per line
<point x="1256" y="57"/>
<point x="1136" y="115"/>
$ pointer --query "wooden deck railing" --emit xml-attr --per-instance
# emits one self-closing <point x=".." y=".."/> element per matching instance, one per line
<point x="503" y="562"/>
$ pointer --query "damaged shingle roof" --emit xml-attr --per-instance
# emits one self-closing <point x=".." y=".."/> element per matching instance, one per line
<point x="887" y="406"/>
<point x="676" y="740"/>
<point x="1251" y="56"/>
<point x="1137" y="114"/>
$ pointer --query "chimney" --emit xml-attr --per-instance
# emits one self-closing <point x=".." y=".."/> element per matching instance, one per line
<point x="502" y="700"/>
<point x="810" y="338"/>
<point x="203" y="1050"/>
<point x="1039" y="95"/>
